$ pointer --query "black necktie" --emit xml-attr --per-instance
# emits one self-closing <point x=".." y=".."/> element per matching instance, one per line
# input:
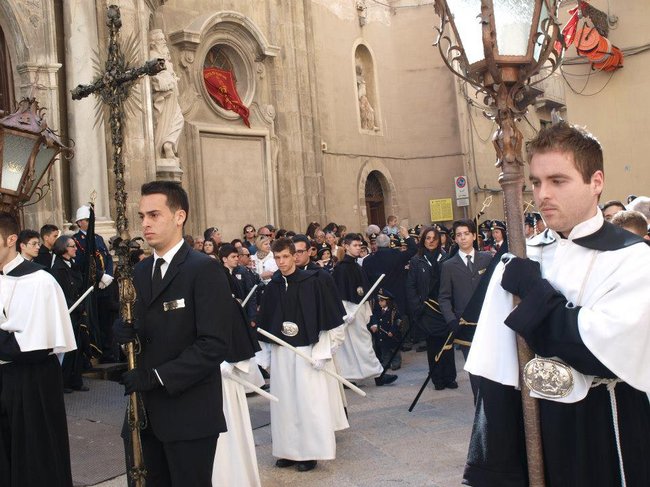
<point x="156" y="280"/>
<point x="470" y="266"/>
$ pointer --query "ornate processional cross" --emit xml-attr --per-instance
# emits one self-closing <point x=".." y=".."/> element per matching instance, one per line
<point x="113" y="88"/>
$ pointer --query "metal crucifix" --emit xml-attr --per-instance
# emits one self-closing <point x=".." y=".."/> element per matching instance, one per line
<point x="113" y="86"/>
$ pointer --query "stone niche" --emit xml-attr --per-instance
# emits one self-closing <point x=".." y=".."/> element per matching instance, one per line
<point x="231" y="168"/>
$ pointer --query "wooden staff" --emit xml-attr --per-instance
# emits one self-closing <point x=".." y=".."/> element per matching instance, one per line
<point x="508" y="141"/>
<point x="250" y="385"/>
<point x="366" y="297"/>
<point x="302" y="354"/>
<point x="79" y="301"/>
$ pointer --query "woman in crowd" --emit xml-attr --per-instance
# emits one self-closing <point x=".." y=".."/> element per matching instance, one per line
<point x="311" y="230"/>
<point x="69" y="277"/>
<point x="249" y="238"/>
<point x="208" y="248"/>
<point x="422" y="285"/>
<point x="337" y="251"/>
<point x="263" y="259"/>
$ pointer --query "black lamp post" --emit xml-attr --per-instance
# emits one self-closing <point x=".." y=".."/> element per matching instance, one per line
<point x="498" y="46"/>
<point x="28" y="148"/>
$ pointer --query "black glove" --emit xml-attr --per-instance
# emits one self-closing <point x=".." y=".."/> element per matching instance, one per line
<point x="453" y="326"/>
<point x="123" y="333"/>
<point x="520" y="276"/>
<point x="139" y="380"/>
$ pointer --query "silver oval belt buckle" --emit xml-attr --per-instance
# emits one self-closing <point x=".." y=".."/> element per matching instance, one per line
<point x="289" y="328"/>
<point x="548" y="378"/>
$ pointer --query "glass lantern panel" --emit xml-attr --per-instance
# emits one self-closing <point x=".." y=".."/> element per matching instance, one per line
<point x="540" y="35"/>
<point x="513" y="19"/>
<point x="15" y="157"/>
<point x="42" y="161"/>
<point x="467" y="18"/>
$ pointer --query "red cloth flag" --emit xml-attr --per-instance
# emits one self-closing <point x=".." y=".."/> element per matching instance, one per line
<point x="221" y="86"/>
<point x="569" y="30"/>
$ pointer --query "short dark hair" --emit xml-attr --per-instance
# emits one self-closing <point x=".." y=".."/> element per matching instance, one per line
<point x="48" y="229"/>
<point x="563" y="137"/>
<point x="301" y="238"/>
<point x="176" y="196"/>
<point x="613" y="203"/>
<point x="465" y="223"/>
<point x="226" y="249"/>
<point x="351" y="237"/>
<point x="189" y="239"/>
<point x="61" y="245"/>
<point x="236" y="241"/>
<point x="25" y="236"/>
<point x="282" y="244"/>
<point x="8" y="225"/>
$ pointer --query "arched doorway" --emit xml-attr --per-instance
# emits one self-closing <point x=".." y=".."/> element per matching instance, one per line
<point x="6" y="81"/>
<point x="375" y="208"/>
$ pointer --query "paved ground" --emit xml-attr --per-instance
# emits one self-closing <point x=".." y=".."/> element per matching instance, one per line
<point x="385" y="445"/>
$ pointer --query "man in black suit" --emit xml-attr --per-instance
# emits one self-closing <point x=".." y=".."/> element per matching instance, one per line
<point x="183" y="318"/>
<point x="458" y="280"/>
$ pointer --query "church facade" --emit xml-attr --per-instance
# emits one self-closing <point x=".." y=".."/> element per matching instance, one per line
<point x="350" y="114"/>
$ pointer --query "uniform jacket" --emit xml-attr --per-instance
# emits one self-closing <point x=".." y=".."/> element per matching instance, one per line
<point x="391" y="262"/>
<point x="104" y="259"/>
<point x="457" y="283"/>
<point x="185" y="345"/>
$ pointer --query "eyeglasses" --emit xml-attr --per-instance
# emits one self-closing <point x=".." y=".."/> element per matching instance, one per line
<point x="34" y="244"/>
<point x="301" y="251"/>
<point x="71" y="246"/>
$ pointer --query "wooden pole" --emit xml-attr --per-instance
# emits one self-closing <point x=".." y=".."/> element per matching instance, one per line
<point x="508" y="142"/>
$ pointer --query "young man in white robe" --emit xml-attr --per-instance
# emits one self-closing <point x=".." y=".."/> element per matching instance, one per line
<point x="356" y="359"/>
<point x="34" y="327"/>
<point x="299" y="308"/>
<point x="584" y="311"/>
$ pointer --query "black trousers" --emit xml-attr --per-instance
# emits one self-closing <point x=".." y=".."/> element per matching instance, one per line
<point x="34" y="448"/>
<point x="444" y="371"/>
<point x="72" y="366"/>
<point x="177" y="463"/>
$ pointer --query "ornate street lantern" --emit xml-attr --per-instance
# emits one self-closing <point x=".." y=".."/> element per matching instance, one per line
<point x="27" y="150"/>
<point x="498" y="46"/>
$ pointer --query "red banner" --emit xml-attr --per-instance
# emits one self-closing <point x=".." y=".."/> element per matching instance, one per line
<point x="221" y="86"/>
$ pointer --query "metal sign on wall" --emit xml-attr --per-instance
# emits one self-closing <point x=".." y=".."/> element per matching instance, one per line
<point x="462" y="191"/>
<point x="441" y="210"/>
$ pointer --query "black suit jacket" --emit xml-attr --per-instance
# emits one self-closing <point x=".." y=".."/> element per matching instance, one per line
<point x="185" y="345"/>
<point x="457" y="283"/>
<point x="391" y="262"/>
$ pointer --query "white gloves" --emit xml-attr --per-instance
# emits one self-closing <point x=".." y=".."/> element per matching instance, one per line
<point x="105" y="281"/>
<point x="347" y="319"/>
<point x="318" y="364"/>
<point x="226" y="369"/>
<point x="263" y="357"/>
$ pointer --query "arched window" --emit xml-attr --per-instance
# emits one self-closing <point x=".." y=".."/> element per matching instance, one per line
<point x="7" y="99"/>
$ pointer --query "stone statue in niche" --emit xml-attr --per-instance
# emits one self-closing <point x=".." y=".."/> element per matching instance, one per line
<point x="365" y="108"/>
<point x="168" y="118"/>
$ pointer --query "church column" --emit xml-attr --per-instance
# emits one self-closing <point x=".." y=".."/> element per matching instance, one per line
<point x="88" y="169"/>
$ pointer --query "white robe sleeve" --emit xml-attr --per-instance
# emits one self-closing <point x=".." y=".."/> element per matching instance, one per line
<point x="37" y="313"/>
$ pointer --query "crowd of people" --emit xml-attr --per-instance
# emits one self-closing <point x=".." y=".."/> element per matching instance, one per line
<point x="309" y="311"/>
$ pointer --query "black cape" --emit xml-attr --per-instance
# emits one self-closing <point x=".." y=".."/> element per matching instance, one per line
<point x="306" y="301"/>
<point x="243" y="339"/>
<point x="351" y="280"/>
<point x="577" y="439"/>
<point x="34" y="447"/>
